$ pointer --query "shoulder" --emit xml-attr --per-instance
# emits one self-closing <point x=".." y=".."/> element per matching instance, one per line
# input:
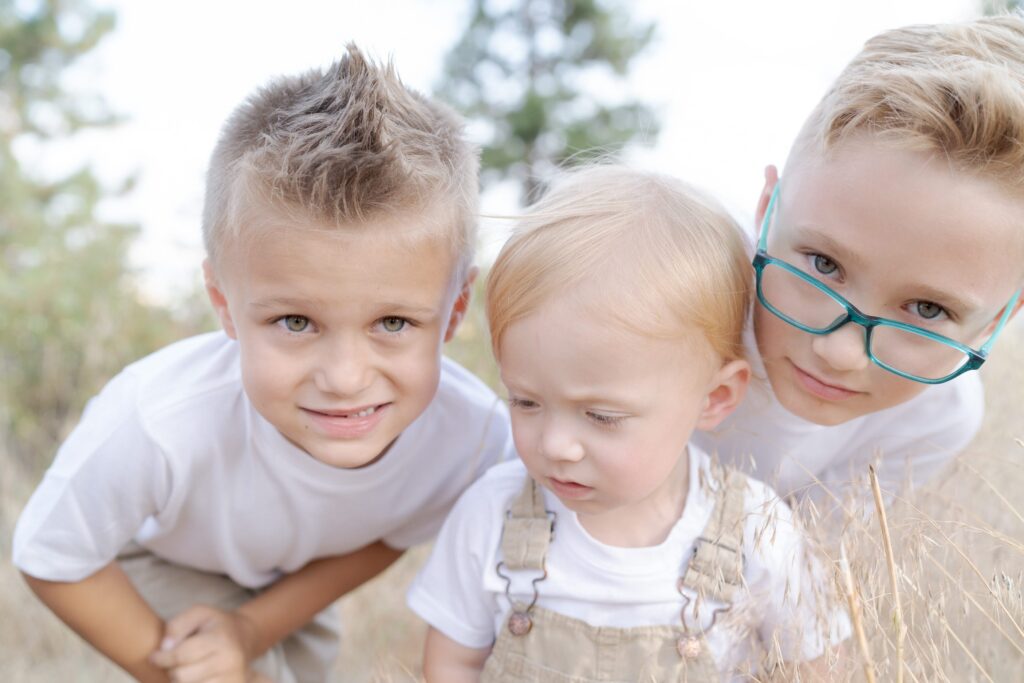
<point x="459" y="389"/>
<point x="186" y="372"/>
<point x="465" y="412"/>
<point x="494" y="491"/>
<point x="948" y="415"/>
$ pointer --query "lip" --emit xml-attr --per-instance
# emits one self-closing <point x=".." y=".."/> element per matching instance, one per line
<point x="568" y="489"/>
<point x="345" y="424"/>
<point x="820" y="389"/>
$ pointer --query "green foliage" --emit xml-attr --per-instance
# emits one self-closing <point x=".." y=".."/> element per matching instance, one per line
<point x="527" y="73"/>
<point x="71" y="315"/>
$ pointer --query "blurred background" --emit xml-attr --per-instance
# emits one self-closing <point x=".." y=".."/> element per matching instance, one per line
<point x="110" y="108"/>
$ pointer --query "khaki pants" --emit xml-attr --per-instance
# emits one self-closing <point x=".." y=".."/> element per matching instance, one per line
<point x="304" y="657"/>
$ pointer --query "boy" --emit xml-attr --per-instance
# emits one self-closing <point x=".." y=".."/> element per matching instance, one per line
<point x="246" y="469"/>
<point x="904" y="196"/>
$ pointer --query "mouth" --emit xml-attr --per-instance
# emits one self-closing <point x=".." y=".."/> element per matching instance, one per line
<point x="820" y="388"/>
<point x="568" y="489"/>
<point x="347" y="423"/>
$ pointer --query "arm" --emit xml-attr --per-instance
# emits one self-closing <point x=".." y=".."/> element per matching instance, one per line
<point x="205" y="642"/>
<point x="107" y="611"/>
<point x="445" y="661"/>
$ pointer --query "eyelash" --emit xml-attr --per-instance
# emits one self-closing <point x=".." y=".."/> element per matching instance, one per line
<point x="598" y="418"/>
<point x="520" y="403"/>
<point x="606" y="420"/>
<point x="280" y="321"/>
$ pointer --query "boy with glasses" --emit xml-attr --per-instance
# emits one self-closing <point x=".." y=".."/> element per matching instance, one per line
<point x="891" y="255"/>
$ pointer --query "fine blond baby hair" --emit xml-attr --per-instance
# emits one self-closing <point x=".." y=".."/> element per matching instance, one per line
<point x="954" y="89"/>
<point x="341" y="147"/>
<point x="662" y="257"/>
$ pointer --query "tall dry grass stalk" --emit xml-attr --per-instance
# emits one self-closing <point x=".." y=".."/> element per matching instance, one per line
<point x="957" y="571"/>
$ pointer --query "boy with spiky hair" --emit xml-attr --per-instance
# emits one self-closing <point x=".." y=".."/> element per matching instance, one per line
<point x="891" y="255"/>
<point x="265" y="470"/>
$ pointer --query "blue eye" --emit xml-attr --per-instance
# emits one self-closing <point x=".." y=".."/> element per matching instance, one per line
<point x="825" y="265"/>
<point x="295" y="323"/>
<point x="393" y="324"/>
<point x="928" y="310"/>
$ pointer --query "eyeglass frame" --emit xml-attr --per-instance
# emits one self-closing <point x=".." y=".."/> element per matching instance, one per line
<point x="975" y="357"/>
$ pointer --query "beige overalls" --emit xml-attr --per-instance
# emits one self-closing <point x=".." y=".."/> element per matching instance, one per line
<point x="541" y="646"/>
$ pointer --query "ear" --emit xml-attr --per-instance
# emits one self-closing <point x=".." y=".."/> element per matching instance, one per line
<point x="218" y="300"/>
<point x="726" y="390"/>
<point x="771" y="178"/>
<point x="461" y="304"/>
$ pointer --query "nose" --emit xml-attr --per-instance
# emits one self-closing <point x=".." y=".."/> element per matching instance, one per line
<point x="345" y="368"/>
<point x="558" y="442"/>
<point x="844" y="349"/>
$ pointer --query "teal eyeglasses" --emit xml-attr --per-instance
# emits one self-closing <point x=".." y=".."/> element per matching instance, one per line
<point x="909" y="351"/>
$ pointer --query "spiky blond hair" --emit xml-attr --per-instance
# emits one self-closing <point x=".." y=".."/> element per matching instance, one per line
<point x="341" y="147"/>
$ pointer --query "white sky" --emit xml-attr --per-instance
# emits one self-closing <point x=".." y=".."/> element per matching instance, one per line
<point x="731" y="81"/>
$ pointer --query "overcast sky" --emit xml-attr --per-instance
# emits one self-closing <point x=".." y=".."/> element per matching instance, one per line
<point x="731" y="82"/>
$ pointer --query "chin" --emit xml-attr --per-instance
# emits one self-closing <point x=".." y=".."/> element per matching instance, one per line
<point x="816" y="410"/>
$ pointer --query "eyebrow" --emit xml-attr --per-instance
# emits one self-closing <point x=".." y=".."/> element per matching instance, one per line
<point x="962" y="306"/>
<point x="391" y="307"/>
<point x="829" y="244"/>
<point x="922" y="291"/>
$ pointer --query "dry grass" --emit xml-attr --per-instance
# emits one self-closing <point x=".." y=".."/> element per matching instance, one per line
<point x="958" y="564"/>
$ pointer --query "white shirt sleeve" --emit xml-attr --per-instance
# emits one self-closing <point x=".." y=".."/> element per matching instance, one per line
<point x="800" y="616"/>
<point x="449" y="593"/>
<point x="106" y="479"/>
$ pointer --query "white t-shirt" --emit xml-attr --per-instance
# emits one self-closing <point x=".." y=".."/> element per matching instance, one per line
<point x="911" y="441"/>
<point x="173" y="455"/>
<point x="460" y="593"/>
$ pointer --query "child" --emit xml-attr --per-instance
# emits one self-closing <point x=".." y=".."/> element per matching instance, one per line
<point x="613" y="550"/>
<point x="241" y="468"/>
<point x="904" y="196"/>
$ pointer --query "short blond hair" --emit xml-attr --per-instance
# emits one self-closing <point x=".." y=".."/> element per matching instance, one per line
<point x="663" y="257"/>
<point x="954" y="89"/>
<point x="341" y="147"/>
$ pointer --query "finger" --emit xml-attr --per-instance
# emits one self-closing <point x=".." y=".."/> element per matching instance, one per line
<point x="207" y="671"/>
<point x="185" y="624"/>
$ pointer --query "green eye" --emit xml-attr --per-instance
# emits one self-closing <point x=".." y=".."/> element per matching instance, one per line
<point x="392" y="324"/>
<point x="296" y="323"/>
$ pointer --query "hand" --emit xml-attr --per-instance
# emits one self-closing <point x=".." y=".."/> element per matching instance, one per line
<point x="204" y="644"/>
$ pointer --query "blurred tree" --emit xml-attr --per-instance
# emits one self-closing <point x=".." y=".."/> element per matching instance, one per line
<point x="70" y="315"/>
<point x="992" y="7"/>
<point x="528" y="74"/>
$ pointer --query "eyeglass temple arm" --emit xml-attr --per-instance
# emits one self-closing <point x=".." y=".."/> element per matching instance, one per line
<point x="762" y="242"/>
<point x="1002" y="322"/>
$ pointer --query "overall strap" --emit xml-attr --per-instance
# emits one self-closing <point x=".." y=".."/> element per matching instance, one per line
<point x="527" y="530"/>
<point x="716" y="568"/>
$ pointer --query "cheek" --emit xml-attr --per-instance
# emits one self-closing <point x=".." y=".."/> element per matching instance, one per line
<point x="775" y="337"/>
<point x="266" y="374"/>
<point x="889" y="390"/>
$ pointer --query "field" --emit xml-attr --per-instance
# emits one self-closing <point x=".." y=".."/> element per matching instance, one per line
<point x="958" y="565"/>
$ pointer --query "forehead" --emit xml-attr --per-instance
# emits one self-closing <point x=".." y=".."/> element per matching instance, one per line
<point x="907" y="217"/>
<point x="570" y="336"/>
<point x="401" y="254"/>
